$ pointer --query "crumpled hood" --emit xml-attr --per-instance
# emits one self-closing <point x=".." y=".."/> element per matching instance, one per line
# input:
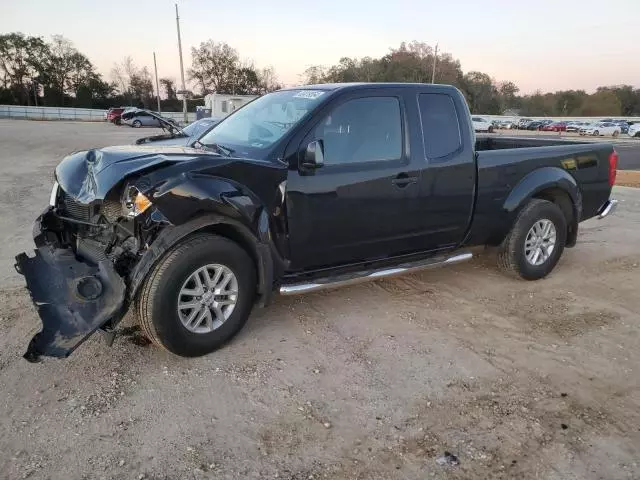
<point x="89" y="175"/>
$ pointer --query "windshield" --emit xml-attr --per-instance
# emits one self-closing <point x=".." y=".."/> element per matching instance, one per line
<point x="198" y="127"/>
<point x="264" y="121"/>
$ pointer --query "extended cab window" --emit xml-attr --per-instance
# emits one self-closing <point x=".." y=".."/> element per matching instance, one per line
<point x="362" y="130"/>
<point x="441" y="131"/>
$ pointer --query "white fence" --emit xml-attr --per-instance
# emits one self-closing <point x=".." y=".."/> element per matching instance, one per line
<point x="51" y="113"/>
<point x="63" y="113"/>
<point x="95" y="115"/>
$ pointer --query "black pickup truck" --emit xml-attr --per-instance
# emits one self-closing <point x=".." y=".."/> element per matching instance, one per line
<point x="301" y="189"/>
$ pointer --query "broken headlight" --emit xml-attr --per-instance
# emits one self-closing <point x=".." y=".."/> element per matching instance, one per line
<point x="53" y="198"/>
<point x="134" y="202"/>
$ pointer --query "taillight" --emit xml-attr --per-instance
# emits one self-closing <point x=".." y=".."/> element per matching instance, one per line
<point x="613" y="167"/>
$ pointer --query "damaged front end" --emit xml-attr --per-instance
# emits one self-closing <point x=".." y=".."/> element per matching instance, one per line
<point x="77" y="277"/>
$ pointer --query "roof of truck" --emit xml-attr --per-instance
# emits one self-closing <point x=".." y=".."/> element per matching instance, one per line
<point x="358" y="85"/>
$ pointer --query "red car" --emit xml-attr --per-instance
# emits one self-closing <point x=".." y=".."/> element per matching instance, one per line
<point x="113" y="115"/>
<point x="555" y="127"/>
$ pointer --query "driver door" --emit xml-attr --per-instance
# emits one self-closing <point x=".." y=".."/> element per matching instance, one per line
<point x="362" y="203"/>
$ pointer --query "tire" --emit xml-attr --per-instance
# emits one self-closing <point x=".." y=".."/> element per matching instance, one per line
<point x="136" y="124"/>
<point x="118" y="121"/>
<point x="596" y="133"/>
<point x="511" y="252"/>
<point x="490" y="130"/>
<point x="637" y="135"/>
<point x="615" y="133"/>
<point x="157" y="301"/>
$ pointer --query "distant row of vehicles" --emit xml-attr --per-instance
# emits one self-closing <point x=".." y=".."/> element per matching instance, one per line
<point x="604" y="127"/>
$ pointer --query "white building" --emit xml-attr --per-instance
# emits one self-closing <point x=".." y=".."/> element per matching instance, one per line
<point x="222" y="104"/>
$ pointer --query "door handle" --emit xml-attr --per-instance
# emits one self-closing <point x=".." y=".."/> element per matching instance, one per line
<point x="403" y="180"/>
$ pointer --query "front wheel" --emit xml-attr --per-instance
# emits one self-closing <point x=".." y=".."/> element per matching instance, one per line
<point x="536" y="241"/>
<point x="490" y="130"/>
<point x="198" y="296"/>
<point x="615" y="133"/>
<point x="136" y="124"/>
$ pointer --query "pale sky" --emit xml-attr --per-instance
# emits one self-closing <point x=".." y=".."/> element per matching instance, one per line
<point x="543" y="44"/>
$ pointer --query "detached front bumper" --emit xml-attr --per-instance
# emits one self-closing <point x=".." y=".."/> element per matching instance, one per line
<point x="73" y="298"/>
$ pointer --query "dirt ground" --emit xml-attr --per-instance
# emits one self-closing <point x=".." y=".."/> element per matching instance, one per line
<point x="628" y="178"/>
<point x="527" y="380"/>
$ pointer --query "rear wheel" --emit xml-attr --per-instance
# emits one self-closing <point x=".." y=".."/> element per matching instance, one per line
<point x="615" y="133"/>
<point x="490" y="130"/>
<point x="536" y="241"/>
<point x="198" y="297"/>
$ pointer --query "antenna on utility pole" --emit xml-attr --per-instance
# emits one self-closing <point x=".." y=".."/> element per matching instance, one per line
<point x="184" y="88"/>
<point x="155" y="66"/>
<point x="435" y="60"/>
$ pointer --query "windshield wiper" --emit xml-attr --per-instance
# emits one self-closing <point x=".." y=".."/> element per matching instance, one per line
<point x="216" y="147"/>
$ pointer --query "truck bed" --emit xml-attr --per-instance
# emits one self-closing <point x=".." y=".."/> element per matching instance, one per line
<point x="484" y="143"/>
<point x="504" y="162"/>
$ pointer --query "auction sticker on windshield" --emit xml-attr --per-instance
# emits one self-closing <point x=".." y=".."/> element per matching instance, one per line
<point x="311" y="94"/>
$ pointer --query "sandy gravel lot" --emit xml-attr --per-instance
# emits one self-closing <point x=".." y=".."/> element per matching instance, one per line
<point x="519" y="380"/>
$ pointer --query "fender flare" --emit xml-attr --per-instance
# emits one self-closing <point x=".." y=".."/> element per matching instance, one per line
<point x="543" y="179"/>
<point x="540" y="180"/>
<point x="171" y="235"/>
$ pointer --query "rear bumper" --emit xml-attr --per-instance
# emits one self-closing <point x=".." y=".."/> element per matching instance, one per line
<point x="73" y="298"/>
<point x="608" y="208"/>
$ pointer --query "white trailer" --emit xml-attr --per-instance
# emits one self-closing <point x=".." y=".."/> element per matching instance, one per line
<point x="222" y="104"/>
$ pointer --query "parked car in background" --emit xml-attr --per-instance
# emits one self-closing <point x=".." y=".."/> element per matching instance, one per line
<point x="534" y="125"/>
<point x="555" y="127"/>
<point x="181" y="136"/>
<point x="624" y="126"/>
<point x="575" y="126"/>
<point x="114" y="115"/>
<point x="523" y="123"/>
<point x="482" y="125"/>
<point x="634" y="130"/>
<point x="601" y="129"/>
<point x="144" y="118"/>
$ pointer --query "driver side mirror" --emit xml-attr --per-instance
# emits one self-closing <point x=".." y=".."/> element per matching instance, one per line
<point x="313" y="155"/>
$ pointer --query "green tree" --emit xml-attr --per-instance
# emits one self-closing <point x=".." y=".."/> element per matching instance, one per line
<point x="134" y="83"/>
<point x="314" y="74"/>
<point x="22" y="61"/>
<point x="481" y="93"/>
<point x="628" y="97"/>
<point x="508" y="92"/>
<point x="603" y="102"/>
<point x="169" y="86"/>
<point x="214" y="67"/>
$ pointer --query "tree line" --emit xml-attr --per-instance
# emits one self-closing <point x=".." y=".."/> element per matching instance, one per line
<point x="413" y="62"/>
<point x="54" y="73"/>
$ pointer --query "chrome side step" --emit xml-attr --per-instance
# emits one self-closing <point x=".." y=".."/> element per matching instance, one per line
<point x="376" y="274"/>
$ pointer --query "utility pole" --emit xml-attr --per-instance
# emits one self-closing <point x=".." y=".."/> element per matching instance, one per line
<point x="184" y="88"/>
<point x="435" y="60"/>
<point x="155" y="66"/>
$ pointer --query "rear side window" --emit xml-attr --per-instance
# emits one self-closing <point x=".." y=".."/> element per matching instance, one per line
<point x="441" y="131"/>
